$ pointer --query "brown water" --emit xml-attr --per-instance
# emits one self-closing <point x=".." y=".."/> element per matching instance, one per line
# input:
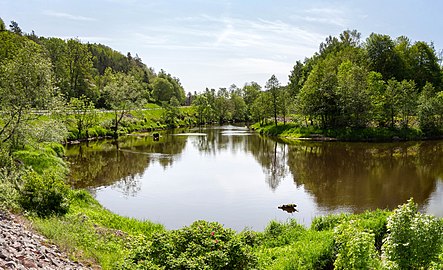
<point x="238" y="178"/>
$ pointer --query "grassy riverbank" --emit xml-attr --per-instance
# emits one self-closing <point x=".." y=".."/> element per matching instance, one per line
<point x="152" y="117"/>
<point x="296" y="131"/>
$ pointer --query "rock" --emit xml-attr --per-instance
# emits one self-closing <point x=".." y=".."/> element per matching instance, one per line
<point x="23" y="249"/>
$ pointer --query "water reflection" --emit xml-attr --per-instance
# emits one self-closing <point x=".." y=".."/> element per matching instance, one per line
<point x="367" y="176"/>
<point x="107" y="162"/>
<point x="239" y="178"/>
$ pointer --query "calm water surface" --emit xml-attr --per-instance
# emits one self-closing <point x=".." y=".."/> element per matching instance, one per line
<point x="238" y="178"/>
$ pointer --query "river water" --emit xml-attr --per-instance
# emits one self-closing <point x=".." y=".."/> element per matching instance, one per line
<point x="238" y="178"/>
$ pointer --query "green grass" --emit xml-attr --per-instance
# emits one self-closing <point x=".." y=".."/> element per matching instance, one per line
<point x="93" y="234"/>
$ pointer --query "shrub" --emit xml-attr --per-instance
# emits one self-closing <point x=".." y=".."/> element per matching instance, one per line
<point x="203" y="245"/>
<point x="355" y="247"/>
<point x="9" y="180"/>
<point x="414" y="240"/>
<point x="44" y="194"/>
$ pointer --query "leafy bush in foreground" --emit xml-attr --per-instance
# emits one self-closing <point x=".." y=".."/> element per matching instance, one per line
<point x="355" y="247"/>
<point x="44" y="194"/>
<point x="202" y="245"/>
<point x="414" y="240"/>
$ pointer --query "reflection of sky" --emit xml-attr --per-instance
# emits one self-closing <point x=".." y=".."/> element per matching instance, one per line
<point x="435" y="202"/>
<point x="228" y="187"/>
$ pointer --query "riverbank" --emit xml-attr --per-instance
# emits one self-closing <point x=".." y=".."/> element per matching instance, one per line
<point x="148" y="119"/>
<point x="292" y="131"/>
<point x="95" y="236"/>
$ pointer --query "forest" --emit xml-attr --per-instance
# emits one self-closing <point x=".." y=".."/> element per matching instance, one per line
<point x="349" y="83"/>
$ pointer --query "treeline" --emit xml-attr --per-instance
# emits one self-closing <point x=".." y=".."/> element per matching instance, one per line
<point x="348" y="83"/>
<point x="79" y="69"/>
<point x="40" y="75"/>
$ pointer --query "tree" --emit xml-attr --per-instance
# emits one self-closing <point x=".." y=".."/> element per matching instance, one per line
<point x="177" y="89"/>
<point x="79" y="65"/>
<point x="58" y="52"/>
<point x="123" y="94"/>
<point x="284" y="101"/>
<point x="171" y="112"/>
<point x="353" y="96"/>
<point x="250" y="93"/>
<point x="391" y="100"/>
<point x="15" y="28"/>
<point x="407" y="101"/>
<point x="273" y="87"/>
<point x="429" y="107"/>
<point x="383" y="57"/>
<point x="2" y="25"/>
<point x="238" y="106"/>
<point x="84" y="114"/>
<point x="223" y="106"/>
<point x="424" y="65"/>
<point x="26" y="84"/>
<point x="261" y="107"/>
<point x="318" y="96"/>
<point x="376" y="88"/>
<point x="296" y="79"/>
<point x="162" y="90"/>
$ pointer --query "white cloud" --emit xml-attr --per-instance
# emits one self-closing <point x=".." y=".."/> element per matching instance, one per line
<point x="67" y="16"/>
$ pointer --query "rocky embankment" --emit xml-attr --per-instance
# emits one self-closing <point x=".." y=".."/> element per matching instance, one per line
<point x="22" y="249"/>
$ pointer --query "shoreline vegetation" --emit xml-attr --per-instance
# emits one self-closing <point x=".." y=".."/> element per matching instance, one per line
<point x="291" y="132"/>
<point x="349" y="89"/>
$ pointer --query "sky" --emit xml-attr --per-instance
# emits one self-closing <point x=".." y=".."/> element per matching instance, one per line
<point x="213" y="44"/>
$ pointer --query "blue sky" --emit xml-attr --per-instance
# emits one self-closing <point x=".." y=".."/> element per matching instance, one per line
<point x="218" y="43"/>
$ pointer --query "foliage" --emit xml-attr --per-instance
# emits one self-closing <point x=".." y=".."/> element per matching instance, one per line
<point x="84" y="114"/>
<point x="93" y="234"/>
<point x="10" y="179"/>
<point x="171" y="112"/>
<point x="355" y="247"/>
<point x="414" y="240"/>
<point x="202" y="245"/>
<point x="26" y="82"/>
<point x="44" y="194"/>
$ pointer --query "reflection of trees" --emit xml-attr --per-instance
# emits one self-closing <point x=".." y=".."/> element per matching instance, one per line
<point x="216" y="140"/>
<point x="272" y="157"/>
<point x="366" y="175"/>
<point x="105" y="163"/>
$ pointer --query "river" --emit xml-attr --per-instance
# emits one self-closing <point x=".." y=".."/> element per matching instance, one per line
<point x="239" y="178"/>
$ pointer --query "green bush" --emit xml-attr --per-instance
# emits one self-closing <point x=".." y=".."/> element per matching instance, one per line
<point x="414" y="240"/>
<point x="355" y="247"/>
<point x="44" y="194"/>
<point x="203" y="245"/>
<point x="374" y="221"/>
<point x="9" y="180"/>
